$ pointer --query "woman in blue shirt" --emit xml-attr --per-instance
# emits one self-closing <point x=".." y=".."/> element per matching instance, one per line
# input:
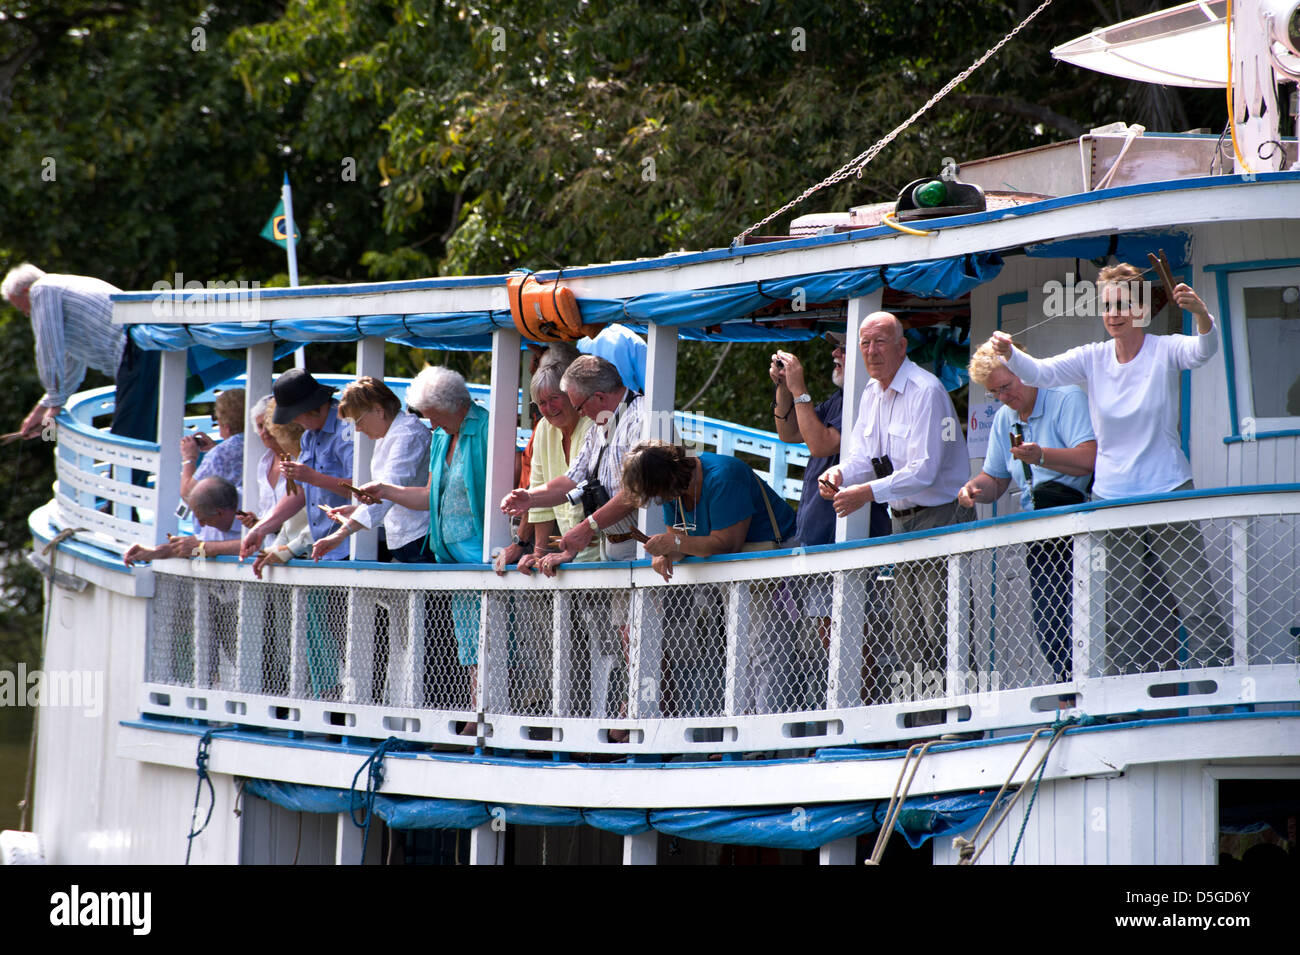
<point x="454" y="495"/>
<point x="714" y="504"/>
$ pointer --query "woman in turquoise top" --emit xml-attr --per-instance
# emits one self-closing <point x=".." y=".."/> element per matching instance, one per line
<point x="455" y="493"/>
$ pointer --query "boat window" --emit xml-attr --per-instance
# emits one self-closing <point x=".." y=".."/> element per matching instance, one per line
<point x="1266" y="342"/>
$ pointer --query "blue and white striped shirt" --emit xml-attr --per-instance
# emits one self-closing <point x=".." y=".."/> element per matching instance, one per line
<point x="72" y="319"/>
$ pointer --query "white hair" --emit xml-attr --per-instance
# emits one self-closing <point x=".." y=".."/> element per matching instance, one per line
<point x="259" y="409"/>
<point x="20" y="279"/>
<point x="439" y="389"/>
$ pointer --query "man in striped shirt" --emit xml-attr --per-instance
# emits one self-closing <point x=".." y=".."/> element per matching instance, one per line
<point x="72" y="319"/>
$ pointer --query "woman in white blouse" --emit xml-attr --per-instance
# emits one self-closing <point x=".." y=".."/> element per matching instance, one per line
<point x="270" y="477"/>
<point x="1133" y="384"/>
<point x="400" y="457"/>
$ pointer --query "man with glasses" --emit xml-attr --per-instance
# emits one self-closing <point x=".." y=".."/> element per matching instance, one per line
<point x="597" y="391"/>
<point x="907" y="451"/>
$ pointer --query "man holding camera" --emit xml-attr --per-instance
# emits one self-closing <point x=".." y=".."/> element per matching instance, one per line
<point x="595" y="478"/>
<point x="907" y="451"/>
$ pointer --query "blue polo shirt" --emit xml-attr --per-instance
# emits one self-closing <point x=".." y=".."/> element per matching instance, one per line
<point x="328" y="451"/>
<point x="1059" y="420"/>
<point x="731" y="492"/>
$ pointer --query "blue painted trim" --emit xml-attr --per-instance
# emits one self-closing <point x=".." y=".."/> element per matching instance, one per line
<point x="66" y="420"/>
<point x="1223" y="273"/>
<point x="1046" y="205"/>
<point x="1010" y="298"/>
<point x="837" y="755"/>
<point x="1263" y="436"/>
<point x="1253" y="265"/>
<point x="304" y="291"/>
<point x="848" y="752"/>
<point x="1229" y="355"/>
<point x="1034" y="515"/>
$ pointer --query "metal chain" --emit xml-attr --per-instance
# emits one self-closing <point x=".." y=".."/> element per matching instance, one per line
<point x="859" y="162"/>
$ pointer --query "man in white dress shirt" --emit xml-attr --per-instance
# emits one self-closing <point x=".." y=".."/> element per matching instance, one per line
<point x="906" y="450"/>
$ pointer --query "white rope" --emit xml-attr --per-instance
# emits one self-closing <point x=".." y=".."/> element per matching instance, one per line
<point x="860" y="162"/>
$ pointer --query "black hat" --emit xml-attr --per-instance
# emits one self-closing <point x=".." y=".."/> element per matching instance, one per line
<point x="297" y="392"/>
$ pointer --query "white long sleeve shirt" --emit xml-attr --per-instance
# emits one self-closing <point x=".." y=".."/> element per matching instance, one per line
<point x="914" y="422"/>
<point x="400" y="457"/>
<point x="1133" y="406"/>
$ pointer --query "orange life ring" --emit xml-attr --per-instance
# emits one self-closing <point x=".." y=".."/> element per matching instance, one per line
<point x="545" y="311"/>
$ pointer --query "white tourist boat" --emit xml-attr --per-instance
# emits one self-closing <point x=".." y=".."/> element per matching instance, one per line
<point x="1139" y="758"/>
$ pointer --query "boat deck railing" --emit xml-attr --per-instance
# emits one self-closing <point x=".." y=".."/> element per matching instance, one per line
<point x="1181" y="603"/>
<point x="1184" y="601"/>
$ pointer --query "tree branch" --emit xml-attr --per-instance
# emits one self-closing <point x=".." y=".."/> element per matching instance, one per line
<point x="1018" y="107"/>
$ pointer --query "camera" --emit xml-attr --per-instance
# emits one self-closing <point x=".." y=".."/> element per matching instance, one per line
<point x="882" y="466"/>
<point x="591" y="494"/>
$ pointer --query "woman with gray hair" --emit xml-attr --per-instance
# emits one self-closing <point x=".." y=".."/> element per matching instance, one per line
<point x="455" y="491"/>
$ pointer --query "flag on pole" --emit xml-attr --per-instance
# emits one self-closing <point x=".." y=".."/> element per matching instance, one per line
<point x="276" y="229"/>
<point x="282" y="229"/>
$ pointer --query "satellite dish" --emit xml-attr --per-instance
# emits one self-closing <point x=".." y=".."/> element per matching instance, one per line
<point x="1182" y="46"/>
<point x="1282" y="21"/>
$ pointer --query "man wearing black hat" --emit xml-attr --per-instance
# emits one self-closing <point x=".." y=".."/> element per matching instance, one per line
<point x="324" y="465"/>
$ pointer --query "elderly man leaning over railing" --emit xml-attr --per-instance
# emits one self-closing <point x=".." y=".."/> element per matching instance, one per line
<point x="213" y="502"/>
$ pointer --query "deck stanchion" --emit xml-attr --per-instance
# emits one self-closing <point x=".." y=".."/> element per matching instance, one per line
<point x="660" y="395"/>
<point x="257" y="382"/>
<point x="1089" y="601"/>
<point x="858" y="524"/>
<point x="1240" y="531"/>
<point x="171" y="422"/>
<point x="502" y="437"/>
<point x="370" y="361"/>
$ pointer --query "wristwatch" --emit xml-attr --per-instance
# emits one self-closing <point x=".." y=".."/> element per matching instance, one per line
<point x="591" y="522"/>
<point x="803" y="399"/>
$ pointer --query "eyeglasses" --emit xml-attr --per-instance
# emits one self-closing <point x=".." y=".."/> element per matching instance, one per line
<point x="999" y="392"/>
<point x="581" y="404"/>
<point x="683" y="526"/>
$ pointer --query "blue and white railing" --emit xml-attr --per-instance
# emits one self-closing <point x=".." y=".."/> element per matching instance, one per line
<point x="863" y="643"/>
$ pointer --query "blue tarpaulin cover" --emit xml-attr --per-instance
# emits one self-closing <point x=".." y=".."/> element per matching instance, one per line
<point x="1131" y="247"/>
<point x="776" y="827"/>
<point x="696" y="309"/>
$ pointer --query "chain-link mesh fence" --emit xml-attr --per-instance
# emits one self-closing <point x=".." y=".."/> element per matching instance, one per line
<point x="1130" y="600"/>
